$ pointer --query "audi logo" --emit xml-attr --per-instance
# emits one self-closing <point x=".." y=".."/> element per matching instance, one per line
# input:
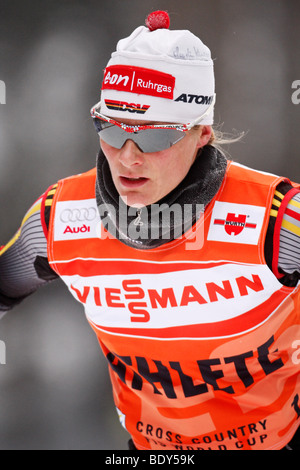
<point x="78" y="215"/>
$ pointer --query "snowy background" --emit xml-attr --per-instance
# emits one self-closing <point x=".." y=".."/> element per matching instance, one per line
<point x="54" y="389"/>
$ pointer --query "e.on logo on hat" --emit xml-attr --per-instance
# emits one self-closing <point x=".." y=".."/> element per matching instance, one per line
<point x="236" y="223"/>
<point x="139" y="80"/>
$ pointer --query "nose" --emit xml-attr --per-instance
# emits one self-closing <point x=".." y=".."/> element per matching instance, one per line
<point x="130" y="154"/>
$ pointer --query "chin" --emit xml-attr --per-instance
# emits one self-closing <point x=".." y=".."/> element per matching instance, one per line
<point x="135" y="201"/>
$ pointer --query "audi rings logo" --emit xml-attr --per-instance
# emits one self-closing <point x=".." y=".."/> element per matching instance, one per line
<point x="78" y="214"/>
<point x="76" y="219"/>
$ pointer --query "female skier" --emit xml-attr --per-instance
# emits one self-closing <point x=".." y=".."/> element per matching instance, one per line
<point x="187" y="264"/>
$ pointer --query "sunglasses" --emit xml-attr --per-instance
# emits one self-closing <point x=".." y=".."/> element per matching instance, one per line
<point x="149" y="138"/>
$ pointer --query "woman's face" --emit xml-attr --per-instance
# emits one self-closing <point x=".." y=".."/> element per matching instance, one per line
<point x="145" y="178"/>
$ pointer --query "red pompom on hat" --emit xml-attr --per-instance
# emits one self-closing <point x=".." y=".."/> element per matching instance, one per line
<point x="158" y="20"/>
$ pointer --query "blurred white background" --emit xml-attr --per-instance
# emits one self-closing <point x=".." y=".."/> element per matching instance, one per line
<point x="55" y="391"/>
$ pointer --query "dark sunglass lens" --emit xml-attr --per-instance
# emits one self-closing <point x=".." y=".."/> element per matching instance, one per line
<point x="148" y="140"/>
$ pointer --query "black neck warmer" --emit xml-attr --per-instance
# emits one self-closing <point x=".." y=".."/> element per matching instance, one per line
<point x="157" y="224"/>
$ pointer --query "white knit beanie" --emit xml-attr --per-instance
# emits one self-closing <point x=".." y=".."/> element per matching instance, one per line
<point x="160" y="75"/>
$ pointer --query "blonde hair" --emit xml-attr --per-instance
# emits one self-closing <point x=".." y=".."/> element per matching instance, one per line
<point x="219" y="138"/>
<point x="222" y="138"/>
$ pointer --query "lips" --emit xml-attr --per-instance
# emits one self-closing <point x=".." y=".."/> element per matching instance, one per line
<point x="133" y="182"/>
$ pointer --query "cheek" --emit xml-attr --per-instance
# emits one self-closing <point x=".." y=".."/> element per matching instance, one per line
<point x="178" y="165"/>
<point x="169" y="173"/>
<point x="107" y="149"/>
<point x="110" y="153"/>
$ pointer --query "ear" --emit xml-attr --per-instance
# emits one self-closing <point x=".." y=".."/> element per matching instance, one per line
<point x="204" y="135"/>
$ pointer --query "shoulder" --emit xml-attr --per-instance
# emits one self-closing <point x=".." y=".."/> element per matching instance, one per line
<point x="73" y="185"/>
<point x="88" y="175"/>
<point x="245" y="173"/>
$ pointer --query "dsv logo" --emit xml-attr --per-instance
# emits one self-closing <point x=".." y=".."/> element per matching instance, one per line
<point x="124" y="106"/>
<point x="78" y="214"/>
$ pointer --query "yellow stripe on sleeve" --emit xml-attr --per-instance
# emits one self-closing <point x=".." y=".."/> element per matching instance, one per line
<point x="273" y="213"/>
<point x="291" y="227"/>
<point x="33" y="210"/>
<point x="276" y="203"/>
<point x="294" y="203"/>
<point x="278" y="194"/>
<point x="11" y="242"/>
<point x="50" y="193"/>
